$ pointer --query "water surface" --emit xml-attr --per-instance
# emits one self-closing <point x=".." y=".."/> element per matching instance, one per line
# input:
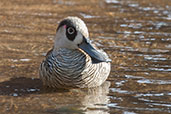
<point x="136" y="34"/>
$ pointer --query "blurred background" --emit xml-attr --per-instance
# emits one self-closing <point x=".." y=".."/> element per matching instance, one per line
<point x="136" y="34"/>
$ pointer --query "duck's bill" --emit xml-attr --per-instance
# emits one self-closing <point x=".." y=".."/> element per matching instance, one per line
<point x="95" y="55"/>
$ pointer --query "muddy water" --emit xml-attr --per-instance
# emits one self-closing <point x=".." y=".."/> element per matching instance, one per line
<point x="135" y="33"/>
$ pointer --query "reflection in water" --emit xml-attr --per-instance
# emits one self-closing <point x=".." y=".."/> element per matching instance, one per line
<point x="87" y="101"/>
<point x="96" y="100"/>
<point x="135" y="34"/>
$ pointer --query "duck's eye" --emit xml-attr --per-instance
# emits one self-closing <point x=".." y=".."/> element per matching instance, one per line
<point x="71" y="30"/>
<point x="71" y="33"/>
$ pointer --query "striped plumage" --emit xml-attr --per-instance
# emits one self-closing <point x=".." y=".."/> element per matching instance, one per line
<point x="66" y="67"/>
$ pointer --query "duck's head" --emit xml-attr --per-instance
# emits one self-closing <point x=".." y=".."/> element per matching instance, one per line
<point x="72" y="33"/>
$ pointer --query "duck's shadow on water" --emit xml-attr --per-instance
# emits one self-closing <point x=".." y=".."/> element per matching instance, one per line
<point x="91" y="101"/>
<point x="24" y="86"/>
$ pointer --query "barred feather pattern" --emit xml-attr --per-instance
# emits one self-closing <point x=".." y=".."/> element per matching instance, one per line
<point x="72" y="69"/>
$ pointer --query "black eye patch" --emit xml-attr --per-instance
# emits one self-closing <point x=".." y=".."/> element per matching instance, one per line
<point x="71" y="33"/>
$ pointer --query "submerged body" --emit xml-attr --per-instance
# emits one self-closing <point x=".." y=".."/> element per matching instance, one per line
<point x="74" y="65"/>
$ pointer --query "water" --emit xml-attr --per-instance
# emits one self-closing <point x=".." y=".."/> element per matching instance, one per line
<point x="136" y="34"/>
